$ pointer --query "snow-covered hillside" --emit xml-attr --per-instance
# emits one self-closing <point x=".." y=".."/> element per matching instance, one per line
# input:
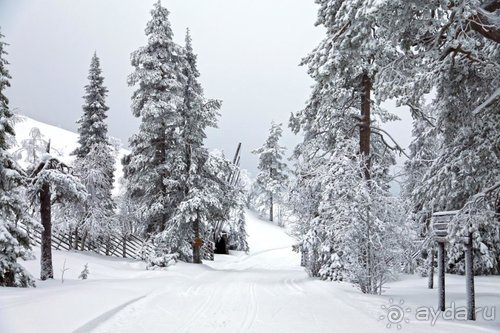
<point x="63" y="143"/>
<point x="263" y="291"/>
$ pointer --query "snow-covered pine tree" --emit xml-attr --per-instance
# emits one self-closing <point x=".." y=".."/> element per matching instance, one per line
<point x="423" y="151"/>
<point x="429" y="35"/>
<point x="467" y="161"/>
<point x="272" y="179"/>
<point x="95" y="161"/>
<point x="52" y="183"/>
<point x="444" y="45"/>
<point x="14" y="243"/>
<point x="341" y="146"/>
<point x="152" y="168"/>
<point x="34" y="147"/>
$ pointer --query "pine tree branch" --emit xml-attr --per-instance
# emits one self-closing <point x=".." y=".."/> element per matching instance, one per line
<point x="487" y="102"/>
<point x="417" y="110"/>
<point x="396" y="146"/>
<point x="485" y="22"/>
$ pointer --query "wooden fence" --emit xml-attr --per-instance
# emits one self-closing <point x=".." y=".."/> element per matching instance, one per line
<point x="125" y="247"/>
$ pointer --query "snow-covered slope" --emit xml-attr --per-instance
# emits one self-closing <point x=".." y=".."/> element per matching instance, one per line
<point x="62" y="142"/>
<point x="263" y="291"/>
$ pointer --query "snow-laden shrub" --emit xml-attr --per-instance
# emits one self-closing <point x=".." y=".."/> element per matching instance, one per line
<point x="158" y="261"/>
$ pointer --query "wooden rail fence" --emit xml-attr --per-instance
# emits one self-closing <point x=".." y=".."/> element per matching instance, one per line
<point x="130" y="246"/>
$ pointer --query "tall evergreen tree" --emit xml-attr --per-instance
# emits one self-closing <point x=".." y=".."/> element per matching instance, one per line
<point x="52" y="183"/>
<point x="154" y="163"/>
<point x="14" y="243"/>
<point x="272" y="178"/>
<point x="454" y="48"/>
<point x="95" y="159"/>
<point x="346" y="227"/>
<point x="170" y="173"/>
<point x="197" y="115"/>
<point x="92" y="128"/>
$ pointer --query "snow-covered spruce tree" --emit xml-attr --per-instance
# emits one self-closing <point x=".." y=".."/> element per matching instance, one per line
<point x="155" y="161"/>
<point x="127" y="223"/>
<point x="236" y="228"/>
<point x="98" y="218"/>
<point x="197" y="115"/>
<point x="14" y="243"/>
<point x="92" y="128"/>
<point x="211" y="191"/>
<point x="51" y="184"/>
<point x="95" y="162"/>
<point x="210" y="201"/>
<point x="272" y="179"/>
<point x="237" y="234"/>
<point x="349" y="238"/>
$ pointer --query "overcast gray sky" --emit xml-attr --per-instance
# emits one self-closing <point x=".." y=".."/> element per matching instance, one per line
<point x="248" y="55"/>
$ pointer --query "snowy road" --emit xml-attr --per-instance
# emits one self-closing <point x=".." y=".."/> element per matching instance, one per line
<point x="265" y="291"/>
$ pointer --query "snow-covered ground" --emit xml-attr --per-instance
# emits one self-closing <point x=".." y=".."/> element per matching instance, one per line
<point x="264" y="291"/>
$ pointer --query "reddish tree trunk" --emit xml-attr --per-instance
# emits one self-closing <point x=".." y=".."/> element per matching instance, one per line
<point x="364" y="128"/>
<point x="197" y="243"/>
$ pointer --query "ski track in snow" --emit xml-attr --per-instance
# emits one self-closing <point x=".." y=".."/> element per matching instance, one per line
<point x="263" y="291"/>
<point x="97" y="321"/>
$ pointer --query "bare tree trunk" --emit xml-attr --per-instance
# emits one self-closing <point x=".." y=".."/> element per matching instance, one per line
<point x="365" y="124"/>
<point x="197" y="242"/>
<point x="430" y="281"/>
<point x="271" y="213"/>
<point x="441" y="277"/>
<point x="46" y="270"/>
<point x="84" y="239"/>
<point x="364" y="150"/>
<point x="108" y="245"/>
<point x="469" y="276"/>
<point x="124" y="246"/>
<point x="369" y="255"/>
<point x="70" y="239"/>
<point x="75" y="245"/>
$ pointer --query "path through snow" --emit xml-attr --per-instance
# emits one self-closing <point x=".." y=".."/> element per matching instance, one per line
<point x="264" y="291"/>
